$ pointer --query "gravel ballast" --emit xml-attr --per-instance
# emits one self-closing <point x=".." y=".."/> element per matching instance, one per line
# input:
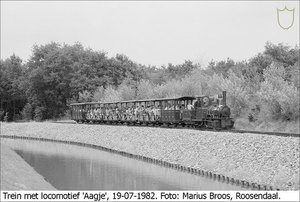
<point x="262" y="159"/>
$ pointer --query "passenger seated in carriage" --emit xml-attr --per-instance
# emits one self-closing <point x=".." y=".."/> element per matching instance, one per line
<point x="171" y="107"/>
<point x="127" y="111"/>
<point x="158" y="110"/>
<point x="90" y="113"/>
<point x="97" y="113"/>
<point x="136" y="110"/>
<point x="154" y="112"/>
<point x="131" y="112"/>
<point x="151" y="110"/>
<point x="148" y="110"/>
<point x="142" y="111"/>
<point x="197" y="104"/>
<point x="190" y="106"/>
<point x="108" y="112"/>
<point x="102" y="112"/>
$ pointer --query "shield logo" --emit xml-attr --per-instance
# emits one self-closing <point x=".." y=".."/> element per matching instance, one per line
<point x="285" y="17"/>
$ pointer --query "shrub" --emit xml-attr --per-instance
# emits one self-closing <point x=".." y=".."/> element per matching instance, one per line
<point x="39" y="113"/>
<point x="98" y="94"/>
<point x="295" y="75"/>
<point x="127" y="92"/>
<point x="6" y="117"/>
<point x="145" y="90"/>
<point x="279" y="98"/>
<point x="85" y="96"/>
<point x="111" y="95"/>
<point x="27" y="112"/>
<point x="1" y="114"/>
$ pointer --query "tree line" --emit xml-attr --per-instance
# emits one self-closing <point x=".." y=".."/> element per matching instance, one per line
<point x="59" y="74"/>
<point x="266" y="85"/>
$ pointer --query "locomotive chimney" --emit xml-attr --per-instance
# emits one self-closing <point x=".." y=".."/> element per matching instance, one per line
<point x="224" y="98"/>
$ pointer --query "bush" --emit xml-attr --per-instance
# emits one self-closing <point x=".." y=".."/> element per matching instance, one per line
<point x="145" y="90"/>
<point x="39" y="113"/>
<point x="6" y="117"/>
<point x="85" y="96"/>
<point x="111" y="95"/>
<point x="279" y="98"/>
<point x="127" y="92"/>
<point x="295" y="75"/>
<point x="1" y="114"/>
<point x="27" y="112"/>
<point x="98" y="94"/>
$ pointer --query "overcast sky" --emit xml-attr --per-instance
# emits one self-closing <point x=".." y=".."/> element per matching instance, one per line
<point x="148" y="32"/>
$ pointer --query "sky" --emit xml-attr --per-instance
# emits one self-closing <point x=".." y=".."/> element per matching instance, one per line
<point x="149" y="32"/>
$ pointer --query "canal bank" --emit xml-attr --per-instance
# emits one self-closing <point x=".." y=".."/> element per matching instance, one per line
<point x="73" y="167"/>
<point x="254" y="158"/>
<point x="16" y="174"/>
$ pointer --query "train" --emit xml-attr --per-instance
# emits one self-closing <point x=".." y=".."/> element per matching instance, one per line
<point x="203" y="111"/>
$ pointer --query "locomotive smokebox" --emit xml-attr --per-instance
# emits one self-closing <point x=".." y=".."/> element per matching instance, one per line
<point x="225" y="111"/>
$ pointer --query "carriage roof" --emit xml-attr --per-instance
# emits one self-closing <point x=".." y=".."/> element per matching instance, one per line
<point x="134" y="101"/>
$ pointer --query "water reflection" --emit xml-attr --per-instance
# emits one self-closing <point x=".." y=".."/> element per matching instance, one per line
<point x="69" y="167"/>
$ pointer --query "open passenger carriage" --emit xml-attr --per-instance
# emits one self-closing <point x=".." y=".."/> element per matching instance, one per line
<point x="198" y="111"/>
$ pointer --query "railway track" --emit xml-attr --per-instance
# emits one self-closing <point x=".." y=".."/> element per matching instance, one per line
<point x="194" y="128"/>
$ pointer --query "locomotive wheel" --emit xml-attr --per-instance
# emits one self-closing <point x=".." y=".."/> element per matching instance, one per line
<point x="216" y="124"/>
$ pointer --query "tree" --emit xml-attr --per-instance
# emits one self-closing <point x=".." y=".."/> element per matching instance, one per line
<point x="279" y="98"/>
<point x="111" y="95"/>
<point x="221" y="67"/>
<point x="85" y="96"/>
<point x="98" y="94"/>
<point x="12" y="95"/>
<point x="285" y="55"/>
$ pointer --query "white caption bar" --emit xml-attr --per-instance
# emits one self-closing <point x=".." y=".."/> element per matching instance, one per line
<point x="150" y="196"/>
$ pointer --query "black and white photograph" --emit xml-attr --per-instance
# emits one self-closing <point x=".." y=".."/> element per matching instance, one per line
<point x="150" y="101"/>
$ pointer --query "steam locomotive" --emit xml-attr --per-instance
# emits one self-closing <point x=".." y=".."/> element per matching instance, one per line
<point x="195" y="111"/>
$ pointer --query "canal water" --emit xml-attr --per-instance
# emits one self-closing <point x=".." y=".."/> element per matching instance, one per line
<point x="70" y="167"/>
